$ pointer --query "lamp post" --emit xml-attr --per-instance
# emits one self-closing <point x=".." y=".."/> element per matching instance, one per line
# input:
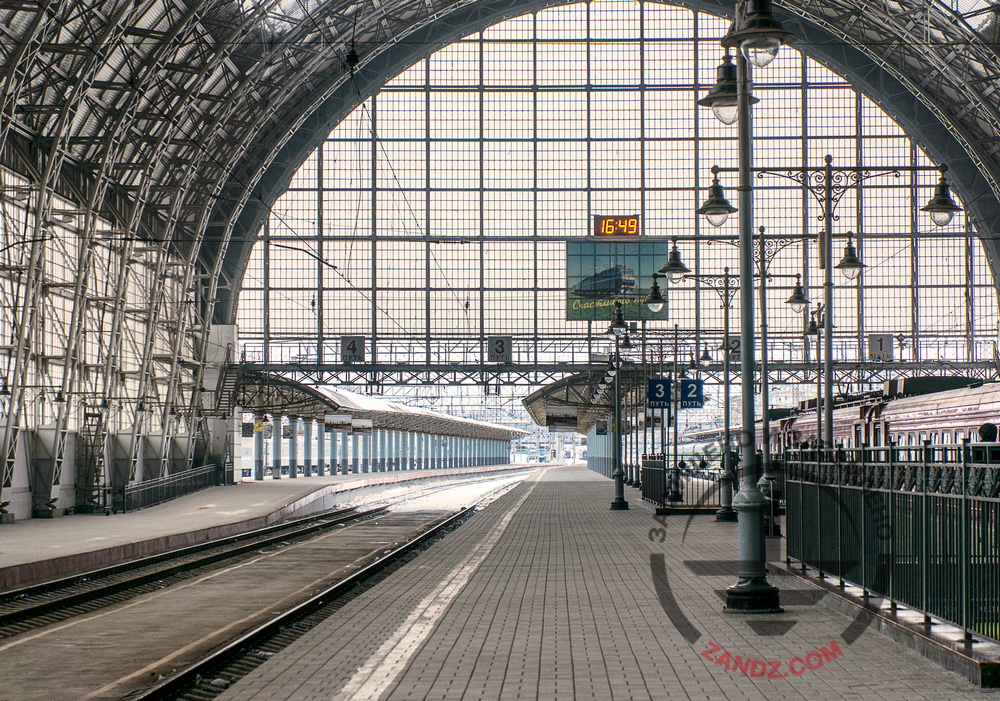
<point x="798" y="302"/>
<point x="624" y="344"/>
<point x="722" y="285"/>
<point x="617" y="330"/>
<point x="675" y="482"/>
<point x="759" y="37"/>
<point x="828" y="185"/>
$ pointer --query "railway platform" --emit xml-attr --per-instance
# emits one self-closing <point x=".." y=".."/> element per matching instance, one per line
<point x="36" y="550"/>
<point x="548" y="594"/>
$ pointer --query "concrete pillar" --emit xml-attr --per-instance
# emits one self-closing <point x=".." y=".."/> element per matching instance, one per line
<point x="366" y="453"/>
<point x="382" y="440"/>
<point x="321" y="448"/>
<point x="355" y="453"/>
<point x="276" y="423"/>
<point x="307" y="450"/>
<point x="345" y="454"/>
<point x="293" y="448"/>
<point x="258" y="447"/>
<point x="386" y="450"/>
<point x="334" y="452"/>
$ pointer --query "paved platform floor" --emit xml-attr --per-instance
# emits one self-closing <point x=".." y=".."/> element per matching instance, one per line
<point x="547" y="594"/>
<point x="65" y="544"/>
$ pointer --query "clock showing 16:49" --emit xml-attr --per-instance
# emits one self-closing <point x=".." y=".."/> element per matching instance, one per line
<point x="616" y="225"/>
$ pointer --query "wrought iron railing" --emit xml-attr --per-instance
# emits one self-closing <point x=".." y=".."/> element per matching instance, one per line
<point x="918" y="525"/>
<point x="694" y="486"/>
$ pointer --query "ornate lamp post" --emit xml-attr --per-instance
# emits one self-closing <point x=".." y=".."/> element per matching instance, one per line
<point x="827" y="185"/>
<point x="759" y="37"/>
<point x="722" y="285"/>
<point x="617" y="330"/>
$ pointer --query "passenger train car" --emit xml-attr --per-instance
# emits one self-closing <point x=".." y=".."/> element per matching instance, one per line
<point x="900" y="415"/>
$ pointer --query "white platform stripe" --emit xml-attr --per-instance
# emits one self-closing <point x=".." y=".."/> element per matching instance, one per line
<point x="382" y="668"/>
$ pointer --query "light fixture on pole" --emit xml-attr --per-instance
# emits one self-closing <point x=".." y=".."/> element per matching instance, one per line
<point x="850" y="265"/>
<point x="654" y="300"/>
<point x="721" y="97"/>
<point x="755" y="31"/>
<point x="798" y="301"/>
<point x="618" y="326"/>
<point x="675" y="269"/>
<point x="716" y="208"/>
<point x="941" y="207"/>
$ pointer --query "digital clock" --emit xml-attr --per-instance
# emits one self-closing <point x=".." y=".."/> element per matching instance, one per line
<point x="616" y="225"/>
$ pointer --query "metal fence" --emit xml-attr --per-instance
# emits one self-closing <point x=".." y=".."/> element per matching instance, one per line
<point x="690" y="488"/>
<point x="917" y="525"/>
<point x="161" y="489"/>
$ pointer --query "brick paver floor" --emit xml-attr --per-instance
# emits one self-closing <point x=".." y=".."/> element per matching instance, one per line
<point x="547" y="594"/>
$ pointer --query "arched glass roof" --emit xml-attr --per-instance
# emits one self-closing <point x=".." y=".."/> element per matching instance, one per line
<point x="453" y="206"/>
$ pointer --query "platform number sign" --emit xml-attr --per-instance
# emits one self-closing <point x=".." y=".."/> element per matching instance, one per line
<point x="879" y="346"/>
<point x="734" y="350"/>
<point x="352" y="349"/>
<point x="692" y="394"/>
<point x="498" y="349"/>
<point x="658" y="394"/>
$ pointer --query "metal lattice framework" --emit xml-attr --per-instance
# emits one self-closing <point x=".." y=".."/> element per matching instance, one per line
<point x="143" y="143"/>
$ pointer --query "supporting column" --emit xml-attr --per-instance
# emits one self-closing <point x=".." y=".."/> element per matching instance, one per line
<point x="293" y="448"/>
<point x="387" y="450"/>
<point x="321" y="449"/>
<point x="258" y="447"/>
<point x="334" y="455"/>
<point x="366" y="453"/>
<point x="345" y="453"/>
<point x="307" y="451"/>
<point x="355" y="453"/>
<point x="276" y="424"/>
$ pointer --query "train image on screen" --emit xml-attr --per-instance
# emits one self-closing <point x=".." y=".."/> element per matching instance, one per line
<point x="616" y="280"/>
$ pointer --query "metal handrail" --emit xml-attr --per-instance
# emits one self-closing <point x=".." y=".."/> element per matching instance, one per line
<point x="917" y="525"/>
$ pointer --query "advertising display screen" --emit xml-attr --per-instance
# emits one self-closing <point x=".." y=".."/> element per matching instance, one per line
<point x="600" y="272"/>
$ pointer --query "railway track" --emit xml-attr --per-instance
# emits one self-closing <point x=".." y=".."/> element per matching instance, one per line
<point x="38" y="605"/>
<point x="216" y="672"/>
